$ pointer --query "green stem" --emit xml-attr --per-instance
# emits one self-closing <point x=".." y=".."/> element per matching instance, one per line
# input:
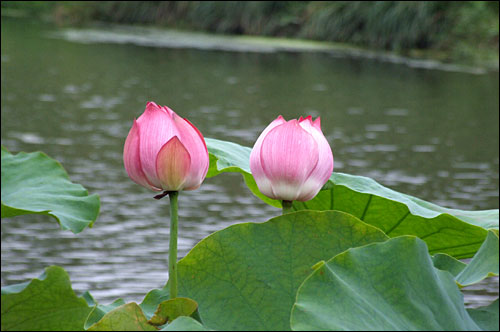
<point x="287" y="207"/>
<point x="172" y="255"/>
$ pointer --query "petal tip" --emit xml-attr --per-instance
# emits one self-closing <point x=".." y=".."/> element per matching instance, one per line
<point x="151" y="105"/>
<point x="317" y="123"/>
<point x="168" y="110"/>
<point x="307" y="118"/>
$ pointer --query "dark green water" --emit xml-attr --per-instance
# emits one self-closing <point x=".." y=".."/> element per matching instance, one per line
<point x="433" y="134"/>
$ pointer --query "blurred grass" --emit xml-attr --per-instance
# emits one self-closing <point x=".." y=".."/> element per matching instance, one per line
<point x="452" y="31"/>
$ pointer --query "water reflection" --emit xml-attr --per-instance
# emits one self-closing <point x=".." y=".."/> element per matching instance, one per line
<point x="432" y="134"/>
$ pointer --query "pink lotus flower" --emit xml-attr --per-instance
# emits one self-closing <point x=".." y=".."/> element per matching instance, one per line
<point x="165" y="152"/>
<point x="291" y="160"/>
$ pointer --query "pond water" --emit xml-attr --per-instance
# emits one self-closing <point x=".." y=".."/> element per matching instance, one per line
<point x="429" y="133"/>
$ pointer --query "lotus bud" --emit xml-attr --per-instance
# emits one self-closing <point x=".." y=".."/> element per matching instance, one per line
<point x="291" y="160"/>
<point x="165" y="152"/>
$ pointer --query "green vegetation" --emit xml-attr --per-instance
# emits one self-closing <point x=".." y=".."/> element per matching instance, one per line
<point x="46" y="303"/>
<point x="359" y="271"/>
<point x="34" y="183"/>
<point x="465" y="31"/>
<point x="304" y="270"/>
<point x="457" y="233"/>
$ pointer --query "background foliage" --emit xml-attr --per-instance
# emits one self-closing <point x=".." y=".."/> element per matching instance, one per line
<point x="464" y="31"/>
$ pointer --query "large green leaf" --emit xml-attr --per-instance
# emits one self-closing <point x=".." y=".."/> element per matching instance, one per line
<point x="455" y="232"/>
<point x="382" y="286"/>
<point x="33" y="183"/>
<point x="44" y="304"/>
<point x="245" y="277"/>
<point x="486" y="317"/>
<point x="484" y="263"/>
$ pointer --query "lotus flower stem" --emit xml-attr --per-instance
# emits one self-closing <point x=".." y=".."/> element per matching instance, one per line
<point x="287" y="207"/>
<point x="172" y="254"/>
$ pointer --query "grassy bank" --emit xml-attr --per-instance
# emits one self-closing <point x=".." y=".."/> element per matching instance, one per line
<point x="463" y="32"/>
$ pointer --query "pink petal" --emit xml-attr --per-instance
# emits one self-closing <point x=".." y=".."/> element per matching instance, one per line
<point x="323" y="170"/>
<point x="167" y="110"/>
<point x="157" y="127"/>
<point x="288" y="155"/>
<point x="172" y="165"/>
<point x="309" y="189"/>
<point x="132" y="160"/>
<point x="263" y="183"/>
<point x="317" y="123"/>
<point x="194" y="142"/>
